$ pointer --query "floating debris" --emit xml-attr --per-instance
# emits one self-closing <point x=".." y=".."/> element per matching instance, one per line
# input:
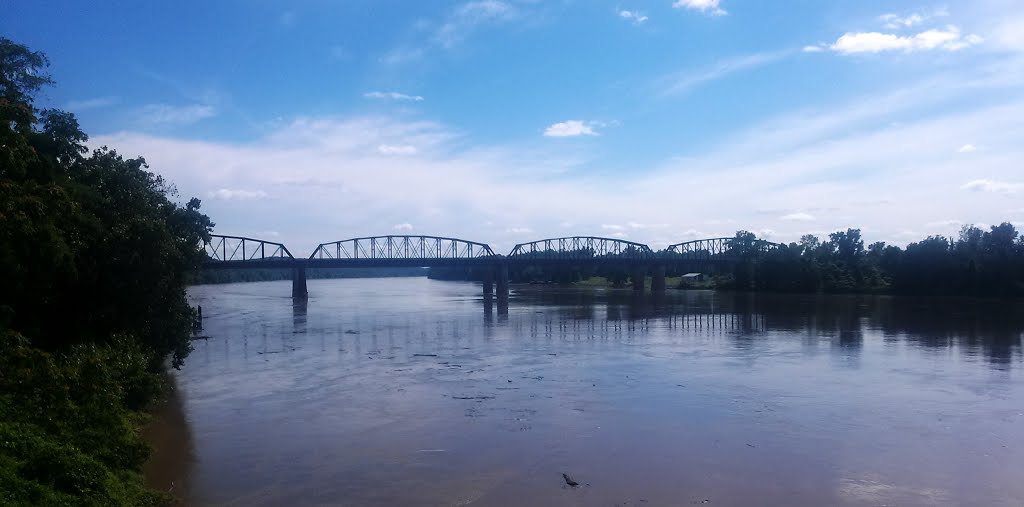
<point x="569" y="481"/>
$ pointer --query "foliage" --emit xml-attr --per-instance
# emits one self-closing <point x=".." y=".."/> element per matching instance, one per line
<point x="94" y="258"/>
<point x="67" y="436"/>
<point x="95" y="240"/>
<point x="981" y="263"/>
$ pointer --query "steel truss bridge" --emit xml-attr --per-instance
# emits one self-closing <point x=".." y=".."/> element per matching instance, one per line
<point x="237" y="252"/>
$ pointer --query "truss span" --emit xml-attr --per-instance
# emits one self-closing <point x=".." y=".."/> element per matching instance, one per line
<point x="718" y="249"/>
<point x="402" y="248"/>
<point x="238" y="249"/>
<point x="579" y="248"/>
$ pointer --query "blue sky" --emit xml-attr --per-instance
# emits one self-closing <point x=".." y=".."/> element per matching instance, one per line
<point x="511" y="120"/>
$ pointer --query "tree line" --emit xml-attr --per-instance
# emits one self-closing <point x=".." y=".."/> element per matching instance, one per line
<point x="95" y="255"/>
<point x="976" y="263"/>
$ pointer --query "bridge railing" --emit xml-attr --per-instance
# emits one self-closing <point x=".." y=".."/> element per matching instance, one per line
<point x="581" y="248"/>
<point x="402" y="248"/>
<point x="237" y="248"/>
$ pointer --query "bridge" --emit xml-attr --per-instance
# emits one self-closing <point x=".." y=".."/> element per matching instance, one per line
<point x="238" y="252"/>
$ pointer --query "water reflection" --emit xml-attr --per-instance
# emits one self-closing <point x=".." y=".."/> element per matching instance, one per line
<point x="416" y="392"/>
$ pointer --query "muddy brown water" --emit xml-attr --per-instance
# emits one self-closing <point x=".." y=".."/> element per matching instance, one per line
<point x="409" y="392"/>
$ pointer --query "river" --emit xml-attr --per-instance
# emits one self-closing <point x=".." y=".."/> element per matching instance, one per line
<point x="410" y="391"/>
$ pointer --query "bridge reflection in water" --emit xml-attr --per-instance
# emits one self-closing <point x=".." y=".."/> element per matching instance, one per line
<point x="639" y="260"/>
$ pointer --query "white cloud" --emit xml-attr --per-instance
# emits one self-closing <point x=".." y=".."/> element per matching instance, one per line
<point x="798" y="217"/>
<point x="967" y="148"/>
<point x="167" y="115"/>
<point x="634" y="16"/>
<point x="390" y="149"/>
<point x="612" y="227"/>
<point x="227" y="194"/>
<point x="813" y="49"/>
<point x="403" y="227"/>
<point x="469" y="16"/>
<point x="850" y="158"/>
<point x="620" y="235"/>
<point x="94" y="103"/>
<point x="994" y="186"/>
<point x="894" y="21"/>
<point x="684" y="81"/>
<point x="392" y="96"/>
<point x="519" y="230"/>
<point x="707" y="6"/>
<point x="948" y="39"/>
<point x="571" y="128"/>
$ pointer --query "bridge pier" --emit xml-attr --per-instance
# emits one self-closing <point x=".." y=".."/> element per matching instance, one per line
<point x="488" y="282"/>
<point x="639" y="276"/>
<point x="658" y="278"/>
<point x="299" y="281"/>
<point x="501" y="276"/>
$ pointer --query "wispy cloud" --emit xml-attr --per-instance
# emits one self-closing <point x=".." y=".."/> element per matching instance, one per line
<point x="94" y="103"/>
<point x="711" y="7"/>
<point x="406" y="226"/>
<point x="895" y="21"/>
<point x="392" y="149"/>
<point x="227" y="194"/>
<point x="572" y="128"/>
<point x="994" y="186"/>
<point x="468" y="17"/>
<point x="849" y="157"/>
<point x="168" y="115"/>
<point x="635" y="17"/>
<point x="949" y="38"/>
<point x="967" y="148"/>
<point x="392" y="96"/>
<point x="684" y="81"/>
<point x="399" y="56"/>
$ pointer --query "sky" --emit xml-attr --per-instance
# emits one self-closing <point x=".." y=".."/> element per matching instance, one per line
<point x="507" y="121"/>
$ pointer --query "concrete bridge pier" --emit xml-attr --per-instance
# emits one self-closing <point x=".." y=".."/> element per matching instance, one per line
<point x="488" y="282"/>
<point x="501" y="276"/>
<point x="639" y="275"/>
<point x="658" y="278"/>
<point x="299" y="280"/>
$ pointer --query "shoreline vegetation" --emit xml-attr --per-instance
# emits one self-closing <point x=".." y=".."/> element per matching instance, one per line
<point x="95" y="254"/>
<point x="976" y="263"/>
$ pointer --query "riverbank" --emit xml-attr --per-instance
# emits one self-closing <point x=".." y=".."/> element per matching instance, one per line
<point x="70" y="429"/>
<point x="170" y="440"/>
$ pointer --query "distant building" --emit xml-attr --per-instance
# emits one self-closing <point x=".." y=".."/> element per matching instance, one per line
<point x="692" y="277"/>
